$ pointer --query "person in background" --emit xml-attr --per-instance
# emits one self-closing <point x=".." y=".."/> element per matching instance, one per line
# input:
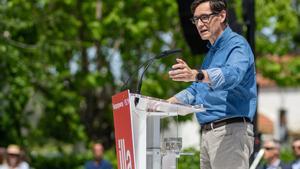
<point x="272" y="156"/>
<point x="13" y="159"/>
<point x="98" y="162"/>
<point x="2" y="155"/>
<point x="283" y="130"/>
<point x="296" y="150"/>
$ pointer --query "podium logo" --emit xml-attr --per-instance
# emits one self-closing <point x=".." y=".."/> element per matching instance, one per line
<point x="117" y="105"/>
<point x="121" y="104"/>
<point x="125" y="157"/>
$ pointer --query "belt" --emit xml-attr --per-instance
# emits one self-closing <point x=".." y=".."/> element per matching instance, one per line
<point x="220" y="123"/>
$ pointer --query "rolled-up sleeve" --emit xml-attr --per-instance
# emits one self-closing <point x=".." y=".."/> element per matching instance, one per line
<point x="231" y="74"/>
<point x="185" y="97"/>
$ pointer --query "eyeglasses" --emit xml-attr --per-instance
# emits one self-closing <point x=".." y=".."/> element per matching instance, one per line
<point x="13" y="155"/>
<point x="296" y="147"/>
<point x="204" y="18"/>
<point x="269" y="148"/>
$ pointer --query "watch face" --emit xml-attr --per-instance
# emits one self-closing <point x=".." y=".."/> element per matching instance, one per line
<point x="200" y="76"/>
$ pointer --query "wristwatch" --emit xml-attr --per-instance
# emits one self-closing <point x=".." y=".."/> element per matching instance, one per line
<point x="199" y="76"/>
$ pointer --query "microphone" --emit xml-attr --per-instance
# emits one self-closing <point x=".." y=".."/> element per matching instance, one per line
<point x="168" y="52"/>
<point x="147" y="64"/>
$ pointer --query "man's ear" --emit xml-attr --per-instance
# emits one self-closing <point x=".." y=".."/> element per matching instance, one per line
<point x="223" y="15"/>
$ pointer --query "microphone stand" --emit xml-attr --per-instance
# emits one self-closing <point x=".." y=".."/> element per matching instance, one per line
<point x="140" y="82"/>
<point x="139" y="86"/>
<point x="148" y="64"/>
<point x="161" y="55"/>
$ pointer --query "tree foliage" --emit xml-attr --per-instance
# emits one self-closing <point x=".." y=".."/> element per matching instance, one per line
<point x="278" y="35"/>
<point x="277" y="26"/>
<point x="62" y="60"/>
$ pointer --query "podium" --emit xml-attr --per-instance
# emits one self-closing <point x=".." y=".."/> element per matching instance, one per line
<point x="137" y="131"/>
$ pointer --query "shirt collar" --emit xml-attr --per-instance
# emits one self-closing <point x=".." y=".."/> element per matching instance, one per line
<point x="221" y="39"/>
<point x="275" y="164"/>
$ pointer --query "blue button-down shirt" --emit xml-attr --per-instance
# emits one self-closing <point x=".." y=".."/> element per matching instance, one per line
<point x="232" y="91"/>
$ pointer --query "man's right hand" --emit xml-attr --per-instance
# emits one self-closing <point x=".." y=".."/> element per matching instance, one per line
<point x="173" y="100"/>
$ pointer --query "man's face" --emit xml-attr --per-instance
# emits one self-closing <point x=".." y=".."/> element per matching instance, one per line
<point x="211" y="25"/>
<point x="13" y="159"/>
<point x="296" y="148"/>
<point x="271" y="151"/>
<point x="98" y="151"/>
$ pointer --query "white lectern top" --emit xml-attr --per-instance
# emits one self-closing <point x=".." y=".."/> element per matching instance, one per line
<point x="159" y="107"/>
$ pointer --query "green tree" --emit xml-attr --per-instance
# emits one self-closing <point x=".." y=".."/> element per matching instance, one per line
<point x="277" y="26"/>
<point x="58" y="60"/>
<point x="278" y="35"/>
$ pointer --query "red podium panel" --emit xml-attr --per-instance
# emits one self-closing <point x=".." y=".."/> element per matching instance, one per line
<point x="123" y="130"/>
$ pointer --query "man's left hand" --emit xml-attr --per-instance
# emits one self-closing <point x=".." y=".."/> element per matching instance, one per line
<point x="182" y="72"/>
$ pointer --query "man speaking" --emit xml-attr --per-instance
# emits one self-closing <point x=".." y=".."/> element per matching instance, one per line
<point x="225" y="84"/>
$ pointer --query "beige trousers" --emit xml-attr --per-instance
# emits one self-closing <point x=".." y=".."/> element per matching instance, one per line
<point x="227" y="147"/>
